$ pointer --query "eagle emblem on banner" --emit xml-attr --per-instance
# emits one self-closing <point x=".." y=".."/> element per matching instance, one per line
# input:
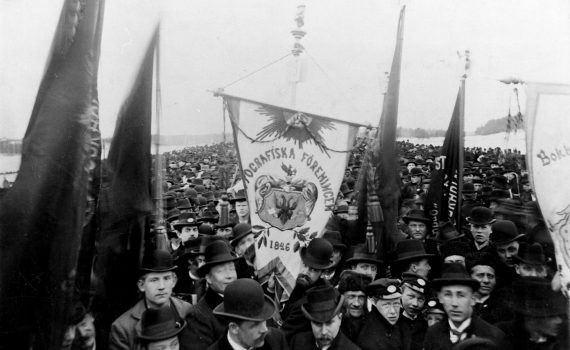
<point x="299" y="127"/>
<point x="285" y="202"/>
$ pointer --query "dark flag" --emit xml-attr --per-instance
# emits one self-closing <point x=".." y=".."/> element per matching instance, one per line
<point x="43" y="214"/>
<point x="126" y="199"/>
<point x="381" y="164"/>
<point x="443" y="201"/>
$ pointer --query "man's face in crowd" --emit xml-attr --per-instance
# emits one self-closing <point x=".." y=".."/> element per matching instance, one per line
<point x="527" y="270"/>
<point x="478" y="187"/>
<point x="367" y="269"/>
<point x="242" y="209"/>
<point x="411" y="166"/>
<point x="336" y="256"/>
<point x="188" y="232"/>
<point x="244" y="243"/>
<point x="526" y="187"/>
<point x="249" y="334"/>
<point x="167" y="344"/>
<point x="422" y="268"/>
<point x="457" y="302"/>
<point x="485" y="274"/>
<point x="309" y="274"/>
<point x="221" y="275"/>
<point x="354" y="302"/>
<point x="412" y="301"/>
<point x="224" y="232"/>
<point x="417" y="229"/>
<point x="157" y="287"/>
<point x="326" y="332"/>
<point x="389" y="309"/>
<point x="507" y="251"/>
<point x="415" y="179"/>
<point x="200" y="260"/>
<point x="454" y="259"/>
<point x="480" y="233"/>
<point x="433" y="318"/>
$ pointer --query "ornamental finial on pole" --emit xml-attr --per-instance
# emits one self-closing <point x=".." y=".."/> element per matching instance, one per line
<point x="466" y="58"/>
<point x="298" y="33"/>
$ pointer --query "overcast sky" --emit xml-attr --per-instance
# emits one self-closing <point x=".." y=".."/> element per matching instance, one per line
<point x="209" y="44"/>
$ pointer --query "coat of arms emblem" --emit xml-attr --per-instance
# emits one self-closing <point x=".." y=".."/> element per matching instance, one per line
<point x="285" y="203"/>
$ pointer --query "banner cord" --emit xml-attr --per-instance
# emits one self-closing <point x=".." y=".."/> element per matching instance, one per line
<point x="257" y="71"/>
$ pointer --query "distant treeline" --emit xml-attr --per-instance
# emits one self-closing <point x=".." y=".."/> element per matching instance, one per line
<point x="494" y="126"/>
<point x="188" y="140"/>
<point x="419" y="132"/>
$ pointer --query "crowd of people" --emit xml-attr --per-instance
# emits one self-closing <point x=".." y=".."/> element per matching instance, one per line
<point x="488" y="282"/>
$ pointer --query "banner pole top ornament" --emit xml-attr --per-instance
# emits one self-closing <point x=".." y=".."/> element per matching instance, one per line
<point x="466" y="58"/>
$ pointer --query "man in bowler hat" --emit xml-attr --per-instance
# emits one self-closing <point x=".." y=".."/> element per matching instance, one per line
<point x="219" y="271"/>
<point x="161" y="329"/>
<point x="315" y="259"/>
<point x="156" y="281"/>
<point x="246" y="310"/>
<point x="455" y="292"/>
<point x="324" y="310"/>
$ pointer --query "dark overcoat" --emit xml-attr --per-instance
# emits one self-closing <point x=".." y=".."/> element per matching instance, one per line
<point x="306" y="340"/>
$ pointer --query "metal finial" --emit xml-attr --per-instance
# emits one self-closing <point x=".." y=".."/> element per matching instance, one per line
<point x="298" y="33"/>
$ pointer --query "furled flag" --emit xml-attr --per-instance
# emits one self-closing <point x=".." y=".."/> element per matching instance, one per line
<point x="43" y="214"/>
<point x="548" y="159"/>
<point x="382" y="181"/>
<point x="443" y="201"/>
<point x="292" y="163"/>
<point x="128" y="197"/>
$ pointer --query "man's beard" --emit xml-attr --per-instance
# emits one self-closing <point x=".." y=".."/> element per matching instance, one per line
<point x="303" y="281"/>
<point x="324" y="341"/>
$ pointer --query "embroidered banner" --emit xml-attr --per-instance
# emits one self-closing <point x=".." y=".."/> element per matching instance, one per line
<point x="293" y="164"/>
<point x="548" y="158"/>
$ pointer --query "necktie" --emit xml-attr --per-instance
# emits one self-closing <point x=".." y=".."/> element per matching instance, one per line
<point x="455" y="336"/>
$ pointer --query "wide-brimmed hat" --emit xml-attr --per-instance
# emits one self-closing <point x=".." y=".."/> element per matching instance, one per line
<point x="240" y="231"/>
<point x="534" y="297"/>
<point x="244" y="299"/>
<point x="503" y="232"/>
<point x="361" y="254"/>
<point x="335" y="239"/>
<point x="481" y="216"/>
<point x="157" y="261"/>
<point x="160" y="324"/>
<point x="217" y="252"/>
<point x="410" y="249"/>
<point x="455" y="274"/>
<point x="323" y="303"/>
<point x="447" y="232"/>
<point x="384" y="288"/>
<point x="415" y="215"/>
<point x="530" y="254"/>
<point x="317" y="254"/>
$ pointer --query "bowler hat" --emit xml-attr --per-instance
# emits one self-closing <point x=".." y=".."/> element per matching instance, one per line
<point x="447" y="232"/>
<point x="157" y="261"/>
<point x="415" y="215"/>
<point x="534" y="297"/>
<point x="240" y="231"/>
<point x="481" y="216"/>
<point x="323" y="303"/>
<point x="416" y="172"/>
<point x="183" y="203"/>
<point x="455" y="274"/>
<point x="317" y="254"/>
<point x="384" y="288"/>
<point x="239" y="196"/>
<point x="361" y="254"/>
<point x="530" y="254"/>
<point x="244" y="299"/>
<point x="335" y="239"/>
<point x="216" y="253"/>
<point x="205" y="229"/>
<point x="468" y="188"/>
<point x="410" y="249"/>
<point x="503" y="232"/>
<point x="160" y="324"/>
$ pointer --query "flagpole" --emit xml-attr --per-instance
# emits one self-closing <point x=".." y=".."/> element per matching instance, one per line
<point x="158" y="111"/>
<point x="466" y="57"/>
<point x="298" y="33"/>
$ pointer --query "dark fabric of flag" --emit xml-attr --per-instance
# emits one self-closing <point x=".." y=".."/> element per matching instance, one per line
<point x="43" y="214"/>
<point x="443" y="201"/>
<point x="383" y="189"/>
<point x="126" y="199"/>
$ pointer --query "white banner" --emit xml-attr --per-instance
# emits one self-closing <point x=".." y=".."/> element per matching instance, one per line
<point x="293" y="164"/>
<point x="548" y="158"/>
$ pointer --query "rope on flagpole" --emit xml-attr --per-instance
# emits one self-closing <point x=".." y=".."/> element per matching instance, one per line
<point x="257" y="70"/>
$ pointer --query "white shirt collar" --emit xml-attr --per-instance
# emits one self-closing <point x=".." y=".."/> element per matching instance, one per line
<point x="462" y="327"/>
<point x="479" y="247"/>
<point x="234" y="344"/>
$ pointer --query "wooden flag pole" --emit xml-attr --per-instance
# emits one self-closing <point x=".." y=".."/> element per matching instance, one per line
<point x="158" y="211"/>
